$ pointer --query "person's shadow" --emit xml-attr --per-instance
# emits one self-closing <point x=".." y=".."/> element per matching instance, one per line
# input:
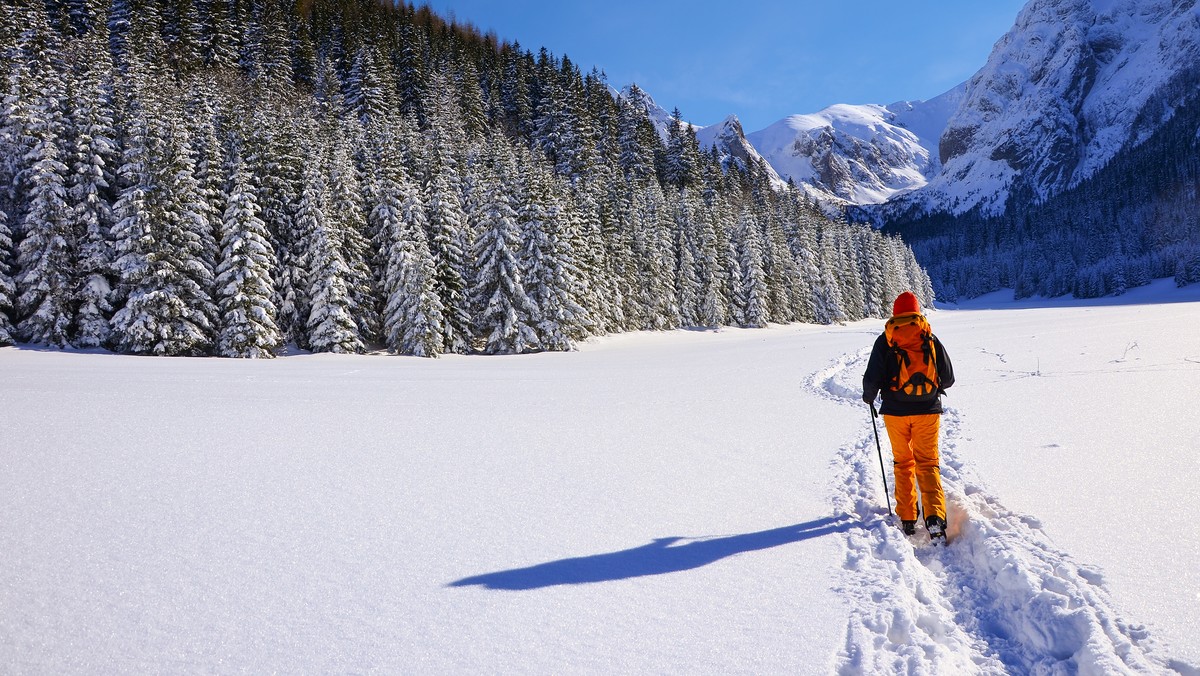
<point x="661" y="556"/>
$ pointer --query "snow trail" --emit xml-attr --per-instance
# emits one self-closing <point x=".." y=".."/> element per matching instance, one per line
<point x="1000" y="598"/>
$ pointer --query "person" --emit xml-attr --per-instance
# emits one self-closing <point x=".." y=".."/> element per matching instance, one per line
<point x="910" y="370"/>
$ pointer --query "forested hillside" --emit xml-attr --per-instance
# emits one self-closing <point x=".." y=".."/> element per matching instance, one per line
<point x="1136" y="219"/>
<point x="194" y="177"/>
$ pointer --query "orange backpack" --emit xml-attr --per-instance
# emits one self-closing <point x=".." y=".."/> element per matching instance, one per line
<point x="912" y="370"/>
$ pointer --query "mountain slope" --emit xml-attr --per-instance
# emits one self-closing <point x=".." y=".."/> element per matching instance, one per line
<point x="861" y="154"/>
<point x="1073" y="84"/>
<point x="732" y="146"/>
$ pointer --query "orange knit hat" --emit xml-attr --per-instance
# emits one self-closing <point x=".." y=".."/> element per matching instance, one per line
<point x="905" y="302"/>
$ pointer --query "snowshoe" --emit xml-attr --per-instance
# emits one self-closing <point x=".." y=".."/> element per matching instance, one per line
<point x="909" y="527"/>
<point x="937" y="530"/>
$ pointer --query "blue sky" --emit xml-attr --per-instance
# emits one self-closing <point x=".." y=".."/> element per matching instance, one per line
<point x="760" y="60"/>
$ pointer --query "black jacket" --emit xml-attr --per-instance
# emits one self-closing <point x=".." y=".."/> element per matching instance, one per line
<point x="876" y="377"/>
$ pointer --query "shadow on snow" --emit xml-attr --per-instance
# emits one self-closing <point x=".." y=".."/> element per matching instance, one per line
<point x="663" y="555"/>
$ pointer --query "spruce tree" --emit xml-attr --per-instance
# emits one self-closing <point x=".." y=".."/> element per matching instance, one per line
<point x="331" y="323"/>
<point x="164" y="269"/>
<point x="347" y="222"/>
<point x="45" y="256"/>
<point x="547" y="264"/>
<point x="413" y="314"/>
<point x="687" y="280"/>
<point x="504" y="315"/>
<point x="92" y="180"/>
<point x="446" y="220"/>
<point x="7" y="289"/>
<point x="247" y="316"/>
<point x="751" y="304"/>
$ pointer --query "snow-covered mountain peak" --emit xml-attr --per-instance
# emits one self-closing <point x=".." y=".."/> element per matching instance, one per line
<point x="1072" y="84"/>
<point x="731" y="143"/>
<point x="859" y="154"/>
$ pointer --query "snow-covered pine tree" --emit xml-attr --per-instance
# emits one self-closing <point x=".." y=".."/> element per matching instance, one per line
<point x="328" y="308"/>
<point x="331" y="325"/>
<point x="687" y="281"/>
<point x="751" y="296"/>
<point x="15" y="112"/>
<point x="90" y="191"/>
<point x="516" y="108"/>
<point x="305" y="218"/>
<point x="8" y="290"/>
<point x="412" y="317"/>
<point x="546" y="262"/>
<point x="46" y="253"/>
<point x="636" y="138"/>
<point x="446" y="217"/>
<point x="655" y="253"/>
<point x="714" y="277"/>
<point x="220" y="41"/>
<point x="367" y="89"/>
<point x="412" y="72"/>
<point x="671" y="169"/>
<point x="782" y="272"/>
<point x="876" y="292"/>
<point x="582" y="231"/>
<point x="618" y="239"/>
<point x="801" y="238"/>
<point x="274" y="72"/>
<point x="347" y="223"/>
<point x="247" y="316"/>
<point x="504" y="316"/>
<point x="470" y="98"/>
<point x="827" y="293"/>
<point x="164" y="276"/>
<point x="845" y="269"/>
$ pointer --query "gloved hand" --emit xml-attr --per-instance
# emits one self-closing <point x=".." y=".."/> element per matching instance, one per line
<point x="869" y="396"/>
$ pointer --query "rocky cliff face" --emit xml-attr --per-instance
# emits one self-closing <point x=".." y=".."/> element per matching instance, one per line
<point x="733" y="147"/>
<point x="1073" y="84"/>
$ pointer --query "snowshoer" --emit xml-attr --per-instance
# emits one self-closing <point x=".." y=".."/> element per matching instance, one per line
<point x="910" y="370"/>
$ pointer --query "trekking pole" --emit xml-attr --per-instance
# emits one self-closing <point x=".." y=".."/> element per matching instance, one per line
<point x="879" y="449"/>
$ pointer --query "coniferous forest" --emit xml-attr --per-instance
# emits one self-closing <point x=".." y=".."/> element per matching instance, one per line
<point x="227" y="177"/>
<point x="1133" y="221"/>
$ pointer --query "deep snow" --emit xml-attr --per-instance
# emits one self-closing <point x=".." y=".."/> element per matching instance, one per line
<point x="684" y="502"/>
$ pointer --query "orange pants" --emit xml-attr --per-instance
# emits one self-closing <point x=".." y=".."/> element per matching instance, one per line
<point x="915" y="451"/>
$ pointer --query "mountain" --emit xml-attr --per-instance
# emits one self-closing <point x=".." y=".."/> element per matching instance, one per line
<point x="1072" y="165"/>
<point x="1072" y="85"/>
<point x="859" y="154"/>
<point x="733" y="147"/>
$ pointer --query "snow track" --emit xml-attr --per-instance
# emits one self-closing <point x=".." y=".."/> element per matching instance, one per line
<point x="1001" y="598"/>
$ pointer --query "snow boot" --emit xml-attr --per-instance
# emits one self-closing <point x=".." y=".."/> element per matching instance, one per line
<point x="937" y="530"/>
<point x="909" y="527"/>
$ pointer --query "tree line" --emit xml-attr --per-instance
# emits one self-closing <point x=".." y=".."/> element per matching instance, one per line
<point x="226" y="177"/>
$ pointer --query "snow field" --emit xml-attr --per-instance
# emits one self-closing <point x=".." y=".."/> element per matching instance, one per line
<point x="315" y="513"/>
<point x="684" y="502"/>
<point x="1020" y="604"/>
